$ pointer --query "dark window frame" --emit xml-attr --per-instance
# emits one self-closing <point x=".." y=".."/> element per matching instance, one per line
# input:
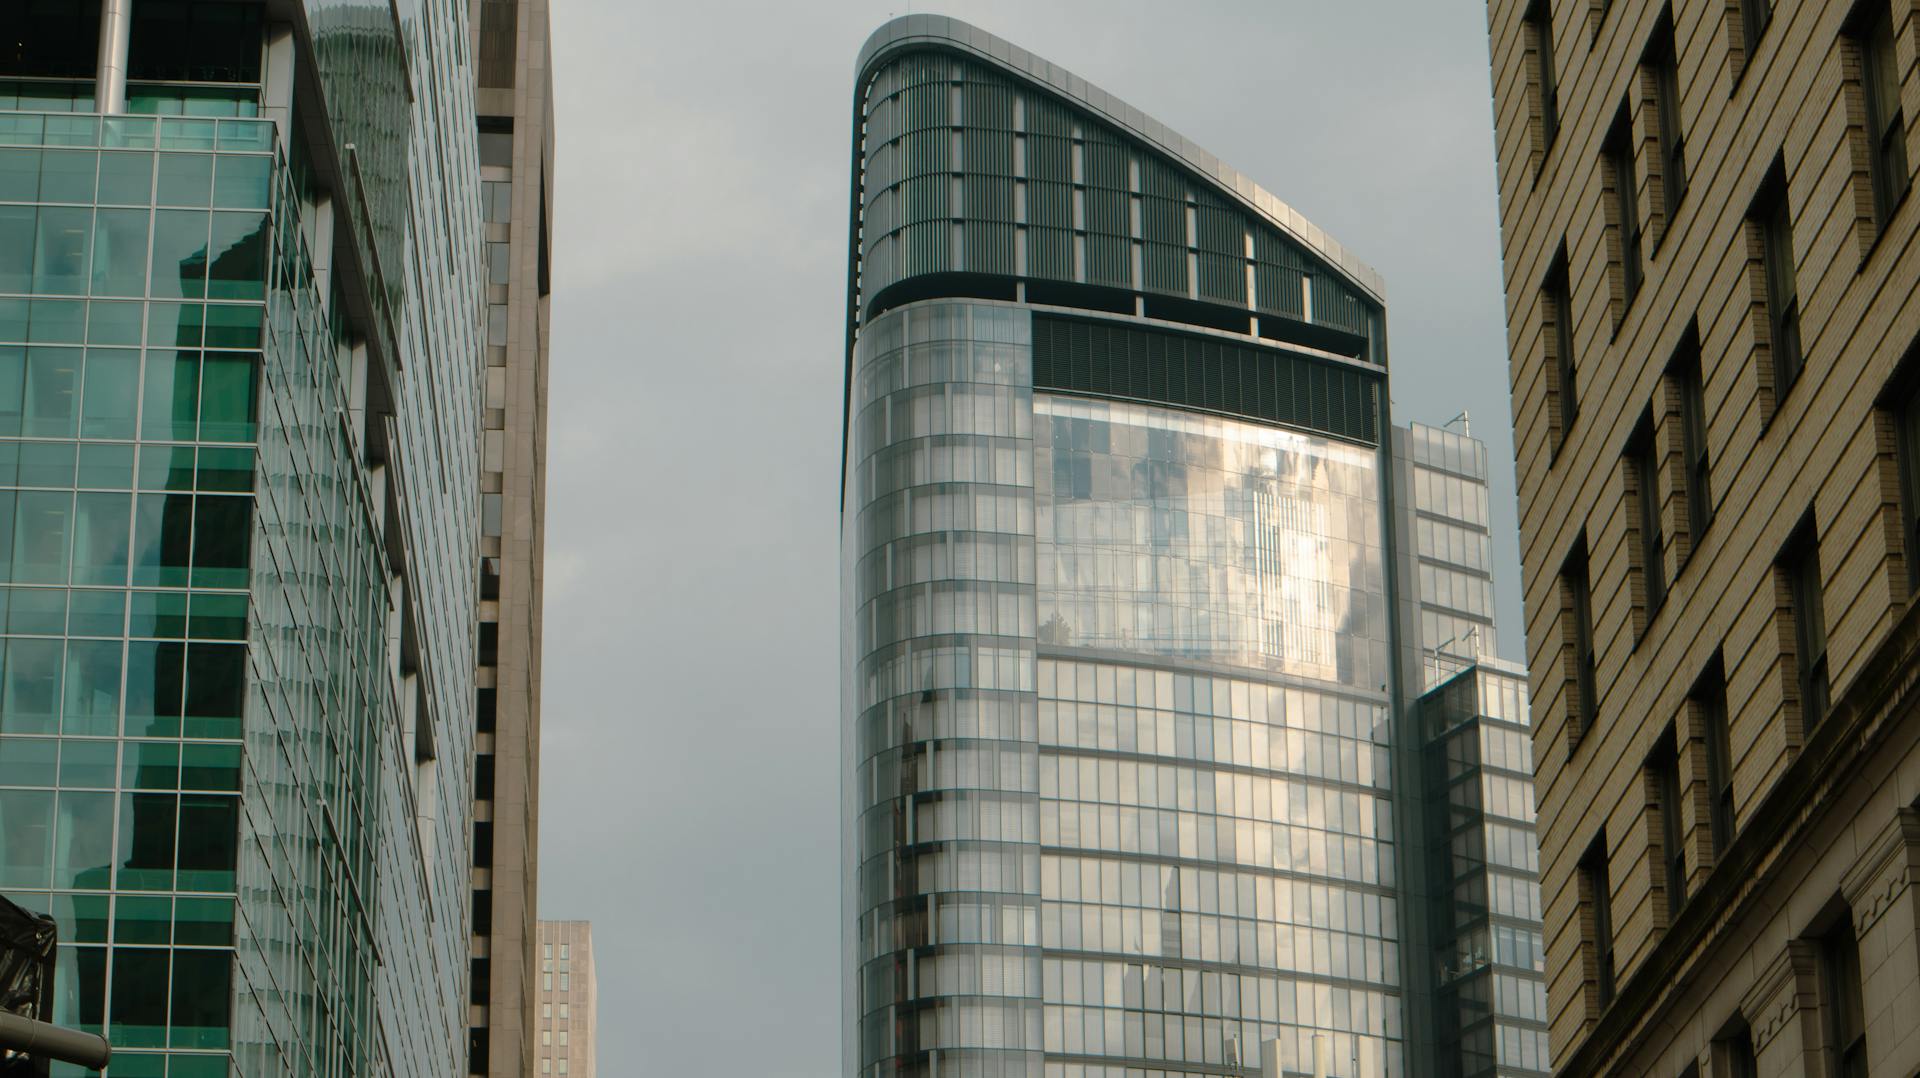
<point x="1841" y="999"/>
<point x="1663" y="56"/>
<point x="1905" y="406"/>
<point x="1801" y="561"/>
<point x="1576" y="573"/>
<point x="1644" y="458"/>
<point x="1690" y="379"/>
<point x="1773" y="216"/>
<point x="1538" y="22"/>
<point x="1870" y="29"/>
<point x="1709" y="698"/>
<point x="1664" y="764"/>
<point x="1557" y="290"/>
<point x="1735" y="1050"/>
<point x="1618" y="152"/>
<point x="1755" y="17"/>
<point x="1595" y="871"/>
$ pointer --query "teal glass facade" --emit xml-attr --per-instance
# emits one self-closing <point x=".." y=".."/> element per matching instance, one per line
<point x="1138" y="583"/>
<point x="238" y="517"/>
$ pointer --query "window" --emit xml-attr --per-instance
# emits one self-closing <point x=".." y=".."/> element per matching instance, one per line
<point x="546" y="982"/>
<point x="1770" y="217"/>
<point x="1872" y="35"/>
<point x="1556" y="306"/>
<point x="1663" y="61"/>
<point x="1907" y="427"/>
<point x="564" y="952"/>
<point x="1578" y="637"/>
<point x="1733" y="1052"/>
<point x="546" y="1010"/>
<point x="1539" y="36"/>
<point x="566" y="982"/>
<point x="1644" y="464"/>
<point x="1663" y="773"/>
<point x="563" y="1038"/>
<point x="1754" y="17"/>
<point x="1709" y="700"/>
<point x="546" y="1036"/>
<point x="1618" y="154"/>
<point x="546" y="950"/>
<point x="563" y="1012"/>
<point x="1840" y="999"/>
<point x="1687" y="381"/>
<point x="1801" y="563"/>
<point x="1598" y="895"/>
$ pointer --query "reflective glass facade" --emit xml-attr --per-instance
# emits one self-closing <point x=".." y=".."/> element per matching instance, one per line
<point x="1443" y="474"/>
<point x="238" y="505"/>
<point x="1132" y="779"/>
<point x="1485" y="911"/>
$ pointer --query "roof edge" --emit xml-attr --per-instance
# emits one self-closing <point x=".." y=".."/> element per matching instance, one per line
<point x="961" y="36"/>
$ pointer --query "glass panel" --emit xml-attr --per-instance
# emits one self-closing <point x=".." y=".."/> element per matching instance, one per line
<point x="100" y="540"/>
<point x="179" y="254"/>
<point x="60" y="255"/>
<point x="156" y="680"/>
<point x="112" y="397"/>
<point x="92" y="706"/>
<point x="126" y="178"/>
<point x="83" y="841"/>
<point x="172" y="395"/>
<point x="120" y="253"/>
<point x="185" y="179"/>
<point x="26" y="837"/>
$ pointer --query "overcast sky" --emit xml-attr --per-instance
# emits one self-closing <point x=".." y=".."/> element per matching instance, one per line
<point x="689" y="786"/>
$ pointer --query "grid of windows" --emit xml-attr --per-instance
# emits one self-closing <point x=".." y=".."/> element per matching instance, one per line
<point x="966" y="172"/>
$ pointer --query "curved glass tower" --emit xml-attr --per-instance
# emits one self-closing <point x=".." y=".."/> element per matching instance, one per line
<point x="1119" y="645"/>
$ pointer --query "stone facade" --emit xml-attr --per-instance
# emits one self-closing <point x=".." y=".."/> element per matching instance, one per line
<point x="1720" y="185"/>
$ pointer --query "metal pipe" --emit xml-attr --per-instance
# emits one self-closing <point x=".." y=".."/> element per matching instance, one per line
<point x="110" y="79"/>
<point x="87" y="1050"/>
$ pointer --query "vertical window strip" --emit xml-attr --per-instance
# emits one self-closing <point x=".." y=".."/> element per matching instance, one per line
<point x="1539" y="30"/>
<point x="1618" y="154"/>
<point x="1557" y="302"/>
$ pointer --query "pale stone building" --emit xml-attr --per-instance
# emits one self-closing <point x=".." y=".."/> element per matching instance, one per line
<point x="1710" y="272"/>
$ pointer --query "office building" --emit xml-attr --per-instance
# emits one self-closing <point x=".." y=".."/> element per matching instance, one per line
<point x="1124" y="655"/>
<point x="514" y="102"/>
<point x="568" y="999"/>
<point x="1710" y="273"/>
<point x="240" y="384"/>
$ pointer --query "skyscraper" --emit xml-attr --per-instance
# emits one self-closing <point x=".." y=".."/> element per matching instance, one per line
<point x="240" y="405"/>
<point x="514" y="99"/>
<point x="1710" y="278"/>
<point x="1124" y="658"/>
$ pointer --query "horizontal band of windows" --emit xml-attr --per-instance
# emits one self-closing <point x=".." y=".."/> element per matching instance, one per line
<point x="1189" y="371"/>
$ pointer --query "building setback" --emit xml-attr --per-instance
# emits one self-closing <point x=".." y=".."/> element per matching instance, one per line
<point x="1710" y="281"/>
<point x="240" y="386"/>
<point x="568" y="999"/>
<point x="1127" y="644"/>
<point x="514" y="100"/>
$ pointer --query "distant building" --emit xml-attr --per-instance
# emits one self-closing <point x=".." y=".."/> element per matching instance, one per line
<point x="1134" y="605"/>
<point x="513" y="102"/>
<point x="1713" y="320"/>
<point x="567" y="999"/>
